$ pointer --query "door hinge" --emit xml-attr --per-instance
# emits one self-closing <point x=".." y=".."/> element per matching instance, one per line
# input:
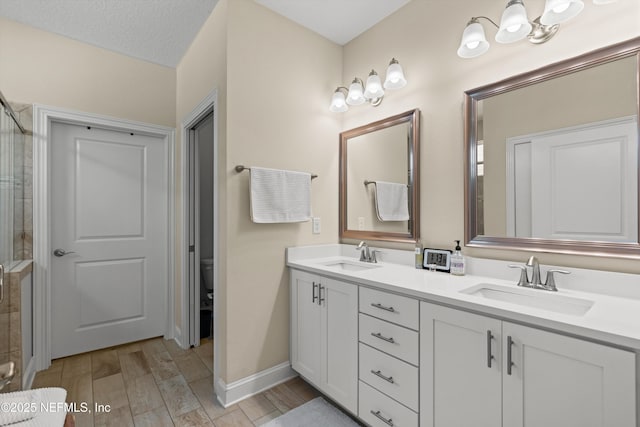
<point x="192" y="248"/>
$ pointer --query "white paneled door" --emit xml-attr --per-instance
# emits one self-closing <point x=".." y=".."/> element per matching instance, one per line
<point x="577" y="183"/>
<point x="109" y="225"/>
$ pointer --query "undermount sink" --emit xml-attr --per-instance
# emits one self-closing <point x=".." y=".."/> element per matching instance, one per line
<point x="534" y="298"/>
<point x="350" y="265"/>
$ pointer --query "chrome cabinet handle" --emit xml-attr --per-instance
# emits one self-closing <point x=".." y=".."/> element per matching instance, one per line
<point x="1" y="282"/>
<point x="61" y="252"/>
<point x="314" y="297"/>
<point x="509" y="362"/>
<point x="388" y="422"/>
<point x="382" y="307"/>
<point x="378" y="374"/>
<point x="489" y="355"/>
<point x="382" y="337"/>
<point x="320" y="297"/>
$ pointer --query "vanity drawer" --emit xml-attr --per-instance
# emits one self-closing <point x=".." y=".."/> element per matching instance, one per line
<point x="389" y="338"/>
<point x="393" y="377"/>
<point x="390" y="307"/>
<point x="379" y="410"/>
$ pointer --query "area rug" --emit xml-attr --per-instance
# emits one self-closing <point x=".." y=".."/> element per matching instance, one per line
<point x="315" y="413"/>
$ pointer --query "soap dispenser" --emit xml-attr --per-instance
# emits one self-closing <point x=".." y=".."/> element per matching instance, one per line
<point x="418" y="253"/>
<point x="457" y="261"/>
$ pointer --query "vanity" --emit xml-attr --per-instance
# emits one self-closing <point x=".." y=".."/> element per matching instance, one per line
<point x="397" y="346"/>
<point x="400" y="346"/>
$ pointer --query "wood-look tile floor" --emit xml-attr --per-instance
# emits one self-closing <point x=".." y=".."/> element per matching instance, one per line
<point x="156" y="383"/>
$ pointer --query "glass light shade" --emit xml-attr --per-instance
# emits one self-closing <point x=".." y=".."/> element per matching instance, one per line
<point x="557" y="11"/>
<point x="373" y="89"/>
<point x="338" y="103"/>
<point x="599" y="2"/>
<point x="514" y="24"/>
<point x="395" y="76"/>
<point x="473" y="43"/>
<point x="355" y="96"/>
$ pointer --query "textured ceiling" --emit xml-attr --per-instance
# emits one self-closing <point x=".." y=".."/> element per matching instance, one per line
<point x="160" y="31"/>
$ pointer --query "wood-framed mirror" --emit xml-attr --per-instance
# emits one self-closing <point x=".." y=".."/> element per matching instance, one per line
<point x="552" y="156"/>
<point x="379" y="180"/>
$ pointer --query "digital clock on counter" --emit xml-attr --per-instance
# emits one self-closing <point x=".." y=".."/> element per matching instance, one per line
<point x="438" y="259"/>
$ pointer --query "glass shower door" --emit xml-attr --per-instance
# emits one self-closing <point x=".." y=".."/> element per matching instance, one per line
<point x="11" y="225"/>
<point x="7" y="182"/>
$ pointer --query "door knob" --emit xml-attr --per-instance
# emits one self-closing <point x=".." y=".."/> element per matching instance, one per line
<point x="61" y="252"/>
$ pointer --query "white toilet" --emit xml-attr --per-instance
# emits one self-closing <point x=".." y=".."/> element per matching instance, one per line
<point x="206" y="269"/>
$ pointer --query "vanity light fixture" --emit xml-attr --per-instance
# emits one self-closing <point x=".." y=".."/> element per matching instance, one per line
<point x="358" y="93"/>
<point x="515" y="25"/>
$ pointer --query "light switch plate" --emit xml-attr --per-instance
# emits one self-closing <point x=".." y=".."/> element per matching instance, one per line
<point x="316" y="224"/>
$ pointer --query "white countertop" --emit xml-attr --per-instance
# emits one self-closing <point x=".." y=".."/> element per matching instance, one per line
<point x="611" y="319"/>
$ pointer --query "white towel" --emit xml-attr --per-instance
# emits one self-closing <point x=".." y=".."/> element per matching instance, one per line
<point x="46" y="408"/>
<point x="392" y="201"/>
<point x="280" y="196"/>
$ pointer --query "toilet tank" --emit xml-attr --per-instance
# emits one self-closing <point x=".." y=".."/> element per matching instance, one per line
<point x="206" y="267"/>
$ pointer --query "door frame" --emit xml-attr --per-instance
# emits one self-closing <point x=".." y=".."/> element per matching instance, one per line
<point x="42" y="118"/>
<point x="200" y="111"/>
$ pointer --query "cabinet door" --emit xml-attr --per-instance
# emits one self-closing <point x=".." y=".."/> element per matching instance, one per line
<point x="305" y="325"/>
<point x="558" y="381"/>
<point x="460" y="371"/>
<point x="340" y="340"/>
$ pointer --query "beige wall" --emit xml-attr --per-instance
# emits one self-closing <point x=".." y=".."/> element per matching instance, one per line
<point x="424" y="37"/>
<point x="280" y="80"/>
<point x="44" y="68"/>
<point x="202" y="70"/>
<point x="273" y="78"/>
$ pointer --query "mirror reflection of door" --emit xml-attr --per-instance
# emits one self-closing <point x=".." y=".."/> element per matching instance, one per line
<point x="576" y="183"/>
<point x="538" y="110"/>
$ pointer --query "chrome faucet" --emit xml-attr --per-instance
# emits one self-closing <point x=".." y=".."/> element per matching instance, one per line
<point x="366" y="255"/>
<point x="7" y="372"/>
<point x="535" y="282"/>
<point x="535" y="271"/>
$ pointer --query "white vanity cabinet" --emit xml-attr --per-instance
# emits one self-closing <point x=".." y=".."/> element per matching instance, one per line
<point x="389" y="359"/>
<point x="324" y="335"/>
<point x="457" y="386"/>
<point x="485" y="372"/>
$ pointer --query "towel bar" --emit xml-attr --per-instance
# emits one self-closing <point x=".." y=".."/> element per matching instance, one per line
<point x="240" y="168"/>
<point x="366" y="181"/>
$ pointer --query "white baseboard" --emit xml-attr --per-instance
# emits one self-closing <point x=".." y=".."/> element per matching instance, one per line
<point x="177" y="337"/>
<point x="231" y="393"/>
